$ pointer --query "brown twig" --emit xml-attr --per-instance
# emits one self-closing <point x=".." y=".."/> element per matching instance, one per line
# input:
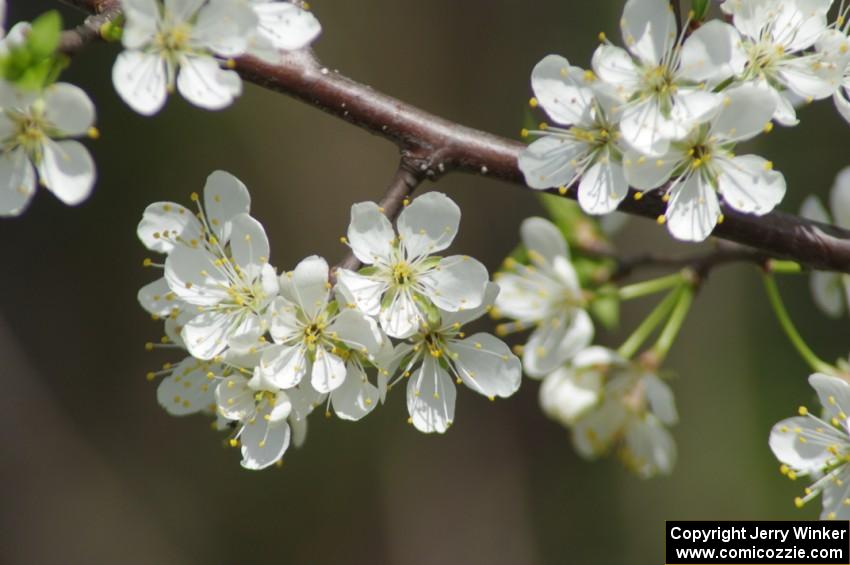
<point x="402" y="186"/>
<point x="434" y="146"/>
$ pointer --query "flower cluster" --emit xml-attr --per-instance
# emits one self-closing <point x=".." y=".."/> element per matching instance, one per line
<point x="612" y="404"/>
<point x="38" y="124"/>
<point x="264" y="348"/>
<point x="184" y="44"/>
<point x="666" y="113"/>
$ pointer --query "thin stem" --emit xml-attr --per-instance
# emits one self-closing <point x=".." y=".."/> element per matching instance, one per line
<point x="645" y="329"/>
<point x="674" y="324"/>
<point x="787" y="325"/>
<point x="653" y="286"/>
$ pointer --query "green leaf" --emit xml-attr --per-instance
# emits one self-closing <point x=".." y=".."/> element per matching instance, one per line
<point x="43" y="38"/>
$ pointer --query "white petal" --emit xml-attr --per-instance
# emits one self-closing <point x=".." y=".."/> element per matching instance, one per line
<point x="456" y="283"/>
<point x="593" y="433"/>
<point x="428" y="225"/>
<point x="839" y="198"/>
<point x="225" y="197"/>
<point x="193" y="276"/>
<point x="616" y="67"/>
<point x="486" y="365"/>
<point x="206" y="335"/>
<point x="356" y="397"/>
<point x="370" y="233"/>
<point x="156" y="298"/>
<point x="568" y="394"/>
<point x="17" y="182"/>
<point x="648" y="173"/>
<point x="810" y="80"/>
<point x="463" y="317"/>
<point x="562" y="90"/>
<point x="691" y="106"/>
<point x="749" y="184"/>
<point x="140" y="80"/>
<point x="834" y="496"/>
<point x="828" y="292"/>
<point x="520" y="298"/>
<point x="366" y="292"/>
<point x="602" y="187"/>
<point x="67" y="170"/>
<point x="746" y="110"/>
<point x="328" y="371"/>
<point x="542" y="237"/>
<point x="249" y="245"/>
<point x="235" y="398"/>
<point x="224" y="27"/>
<point x="551" y="161"/>
<point x="141" y="22"/>
<point x="187" y="390"/>
<point x="555" y="341"/>
<point x="401" y="317"/>
<point x="357" y="331"/>
<point x="68" y="108"/>
<point x="310" y="285"/>
<point x="263" y="444"/>
<point x="785" y="113"/>
<point x="646" y="129"/>
<point x="206" y="85"/>
<point x="649" y="448"/>
<point x="431" y="397"/>
<point x="834" y="395"/>
<point x="802" y="456"/>
<point x="287" y="26"/>
<point x="649" y="29"/>
<point x="284" y="366"/>
<point x="183" y="10"/>
<point x="712" y="53"/>
<point x="661" y="400"/>
<point x="164" y="223"/>
<point x="693" y="210"/>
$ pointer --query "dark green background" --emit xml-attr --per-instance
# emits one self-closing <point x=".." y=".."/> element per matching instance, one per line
<point x="93" y="471"/>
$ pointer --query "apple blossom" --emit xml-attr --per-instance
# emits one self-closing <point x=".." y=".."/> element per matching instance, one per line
<point x="544" y="295"/>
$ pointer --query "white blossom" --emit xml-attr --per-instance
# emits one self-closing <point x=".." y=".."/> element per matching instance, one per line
<point x="588" y="149"/>
<point x="174" y="45"/>
<point x="664" y="82"/>
<point x="819" y="447"/>
<point x="575" y="388"/>
<point x="282" y="26"/>
<point x="774" y="39"/>
<point x="831" y="290"/>
<point x="631" y="414"/>
<point x="703" y="165"/>
<point x="314" y="337"/>
<point x="35" y="131"/>
<point x="440" y="353"/>
<point x="545" y="295"/>
<point x="403" y="279"/>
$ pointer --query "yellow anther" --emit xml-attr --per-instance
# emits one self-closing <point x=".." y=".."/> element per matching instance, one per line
<point x="784" y="469"/>
<point x="234" y="442"/>
<point x="93" y="133"/>
<point x="798" y="502"/>
<point x="194" y="197"/>
<point x="802" y="411"/>
<point x="543" y="126"/>
<point x="147" y="263"/>
<point x="602" y="36"/>
<point x="720" y="219"/>
<point x="523" y="133"/>
<point x="768" y="165"/>
<point x="665" y="197"/>
<point x="150" y="376"/>
<point x="562" y="190"/>
<point x="231" y="63"/>
<point x="533" y="102"/>
<point x="768" y="127"/>
<point x="661" y="220"/>
<point x="638" y="195"/>
<point x="149" y="346"/>
<point x="589" y="76"/>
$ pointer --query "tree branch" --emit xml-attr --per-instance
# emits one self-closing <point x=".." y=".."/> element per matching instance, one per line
<point x="434" y="146"/>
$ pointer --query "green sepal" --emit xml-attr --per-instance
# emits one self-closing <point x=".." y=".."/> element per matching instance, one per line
<point x="700" y="9"/>
<point x="605" y="308"/>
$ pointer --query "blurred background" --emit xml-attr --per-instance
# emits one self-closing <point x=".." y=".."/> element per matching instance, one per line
<point x="93" y="471"/>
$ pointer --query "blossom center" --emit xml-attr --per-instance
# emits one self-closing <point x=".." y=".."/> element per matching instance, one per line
<point x="174" y="39"/>
<point x="402" y="274"/>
